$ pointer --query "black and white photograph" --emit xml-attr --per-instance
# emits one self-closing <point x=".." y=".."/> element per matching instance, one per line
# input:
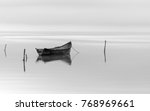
<point x="75" y="46"/>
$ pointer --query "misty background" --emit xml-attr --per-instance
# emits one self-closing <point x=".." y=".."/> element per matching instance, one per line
<point x="125" y="16"/>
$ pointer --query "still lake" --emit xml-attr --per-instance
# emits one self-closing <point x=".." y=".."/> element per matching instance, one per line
<point x="125" y="67"/>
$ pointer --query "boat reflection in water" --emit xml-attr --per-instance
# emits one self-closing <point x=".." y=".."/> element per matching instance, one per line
<point x="50" y="58"/>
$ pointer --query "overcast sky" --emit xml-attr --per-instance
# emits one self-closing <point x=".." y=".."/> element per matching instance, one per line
<point x="74" y="14"/>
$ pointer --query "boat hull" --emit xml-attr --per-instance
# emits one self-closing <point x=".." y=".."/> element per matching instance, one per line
<point x="61" y="50"/>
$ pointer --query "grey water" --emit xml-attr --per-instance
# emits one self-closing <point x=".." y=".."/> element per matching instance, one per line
<point x="120" y="67"/>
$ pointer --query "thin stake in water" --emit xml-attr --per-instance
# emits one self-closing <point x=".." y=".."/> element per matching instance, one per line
<point x="24" y="59"/>
<point x="105" y="51"/>
<point x="24" y="53"/>
<point x="5" y="50"/>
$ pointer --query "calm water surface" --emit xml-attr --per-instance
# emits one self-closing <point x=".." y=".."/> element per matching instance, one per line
<point x="125" y="68"/>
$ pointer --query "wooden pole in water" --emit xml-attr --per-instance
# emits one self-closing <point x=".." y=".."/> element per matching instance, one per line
<point x="24" y="53"/>
<point x="5" y="49"/>
<point x="24" y="66"/>
<point x="105" y="51"/>
<point x="24" y="57"/>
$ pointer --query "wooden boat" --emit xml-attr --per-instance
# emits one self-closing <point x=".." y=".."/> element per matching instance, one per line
<point x="60" y="50"/>
<point x="50" y="58"/>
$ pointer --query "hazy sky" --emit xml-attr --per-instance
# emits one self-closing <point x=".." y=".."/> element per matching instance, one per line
<point x="74" y="14"/>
